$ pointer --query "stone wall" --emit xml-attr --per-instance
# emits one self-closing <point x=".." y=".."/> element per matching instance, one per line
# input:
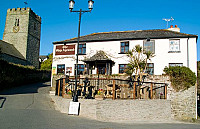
<point x="27" y="39"/>
<point x="178" y="105"/>
<point x="13" y="59"/>
<point x="119" y="110"/>
<point x="133" y="110"/>
<point x="183" y="103"/>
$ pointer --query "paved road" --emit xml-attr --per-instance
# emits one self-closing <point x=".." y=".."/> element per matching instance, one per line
<point x="30" y="107"/>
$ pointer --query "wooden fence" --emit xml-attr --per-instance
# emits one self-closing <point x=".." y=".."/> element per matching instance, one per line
<point x="111" y="88"/>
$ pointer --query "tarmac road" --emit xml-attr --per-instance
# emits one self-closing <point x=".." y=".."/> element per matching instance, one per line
<point x="30" y="107"/>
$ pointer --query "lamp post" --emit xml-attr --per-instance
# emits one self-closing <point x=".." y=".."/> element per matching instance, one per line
<point x="71" y="6"/>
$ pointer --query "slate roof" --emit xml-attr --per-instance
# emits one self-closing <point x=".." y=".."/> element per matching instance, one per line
<point x="9" y="49"/>
<point x="99" y="56"/>
<point x="129" y="35"/>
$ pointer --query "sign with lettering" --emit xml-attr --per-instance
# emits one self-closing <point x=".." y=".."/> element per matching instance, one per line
<point x="69" y="69"/>
<point x="74" y="108"/>
<point x="65" y="50"/>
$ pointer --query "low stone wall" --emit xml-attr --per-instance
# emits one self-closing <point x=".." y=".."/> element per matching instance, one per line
<point x="178" y="105"/>
<point x="183" y="103"/>
<point x="133" y="110"/>
<point x="14" y="75"/>
<point x="119" y="110"/>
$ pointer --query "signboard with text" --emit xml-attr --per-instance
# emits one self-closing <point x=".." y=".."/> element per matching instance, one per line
<point x="74" y="108"/>
<point x="65" y="50"/>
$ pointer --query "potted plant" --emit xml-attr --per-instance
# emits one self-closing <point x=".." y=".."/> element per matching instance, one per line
<point x="99" y="95"/>
<point x="68" y="94"/>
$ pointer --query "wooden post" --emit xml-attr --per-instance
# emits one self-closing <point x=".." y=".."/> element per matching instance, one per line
<point x="59" y="87"/>
<point x="113" y="90"/>
<point x="165" y="91"/>
<point x="63" y="88"/>
<point x="134" y="89"/>
<point x="151" y="91"/>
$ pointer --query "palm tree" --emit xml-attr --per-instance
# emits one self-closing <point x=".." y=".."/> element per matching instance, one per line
<point x="138" y="63"/>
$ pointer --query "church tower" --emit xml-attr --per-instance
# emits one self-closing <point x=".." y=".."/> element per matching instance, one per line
<point x="23" y="30"/>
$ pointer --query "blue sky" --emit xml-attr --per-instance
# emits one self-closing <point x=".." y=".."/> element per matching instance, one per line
<point x="108" y="15"/>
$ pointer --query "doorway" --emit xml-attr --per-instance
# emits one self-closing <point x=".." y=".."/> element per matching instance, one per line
<point x="101" y="69"/>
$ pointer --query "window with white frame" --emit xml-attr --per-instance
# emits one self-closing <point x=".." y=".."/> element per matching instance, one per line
<point x="174" y="45"/>
<point x="149" y="46"/>
<point x="175" y="64"/>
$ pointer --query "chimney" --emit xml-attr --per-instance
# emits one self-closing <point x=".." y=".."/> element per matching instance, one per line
<point x="176" y="29"/>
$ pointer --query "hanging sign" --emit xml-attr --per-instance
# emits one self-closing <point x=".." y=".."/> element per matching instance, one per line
<point x="65" y="50"/>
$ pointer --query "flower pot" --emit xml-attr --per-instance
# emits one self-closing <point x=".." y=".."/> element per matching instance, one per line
<point x="99" y="97"/>
<point x="67" y="96"/>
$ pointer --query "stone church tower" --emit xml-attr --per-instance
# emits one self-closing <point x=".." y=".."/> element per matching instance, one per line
<point x="23" y="30"/>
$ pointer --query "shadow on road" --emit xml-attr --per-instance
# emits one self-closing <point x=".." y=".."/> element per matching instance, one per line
<point x="2" y="102"/>
<point x="25" y="89"/>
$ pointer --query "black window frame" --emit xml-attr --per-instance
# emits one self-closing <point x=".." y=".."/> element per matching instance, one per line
<point x="81" y="49"/>
<point x="125" y="47"/>
<point x="80" y="72"/>
<point x="61" y="70"/>
<point x="122" y="69"/>
<point x="148" y="69"/>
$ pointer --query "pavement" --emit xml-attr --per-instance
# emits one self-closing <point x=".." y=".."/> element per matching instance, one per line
<point x="31" y="107"/>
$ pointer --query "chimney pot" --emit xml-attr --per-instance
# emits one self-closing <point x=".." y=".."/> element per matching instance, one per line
<point x="176" y="26"/>
<point x="171" y="26"/>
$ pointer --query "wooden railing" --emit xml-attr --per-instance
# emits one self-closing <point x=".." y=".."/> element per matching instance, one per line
<point x="113" y="88"/>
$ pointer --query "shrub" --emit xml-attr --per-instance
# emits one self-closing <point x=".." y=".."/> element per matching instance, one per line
<point x="47" y="65"/>
<point x="12" y="75"/>
<point x="181" y="78"/>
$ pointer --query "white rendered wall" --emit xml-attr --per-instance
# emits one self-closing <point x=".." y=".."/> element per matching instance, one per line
<point x="112" y="49"/>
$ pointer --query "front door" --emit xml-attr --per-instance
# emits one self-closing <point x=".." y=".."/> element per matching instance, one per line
<point x="101" y="69"/>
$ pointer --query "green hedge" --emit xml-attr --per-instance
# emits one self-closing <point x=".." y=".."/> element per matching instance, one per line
<point x="12" y="75"/>
<point x="181" y="78"/>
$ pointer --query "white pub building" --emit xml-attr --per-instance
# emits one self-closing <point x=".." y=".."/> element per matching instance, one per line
<point x="105" y="53"/>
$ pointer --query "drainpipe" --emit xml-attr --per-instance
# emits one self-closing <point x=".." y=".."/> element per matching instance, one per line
<point x="187" y="53"/>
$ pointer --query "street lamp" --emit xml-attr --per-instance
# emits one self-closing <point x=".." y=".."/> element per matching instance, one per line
<point x="71" y="7"/>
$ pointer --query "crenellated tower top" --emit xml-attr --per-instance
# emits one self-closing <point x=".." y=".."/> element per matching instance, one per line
<point x="23" y="11"/>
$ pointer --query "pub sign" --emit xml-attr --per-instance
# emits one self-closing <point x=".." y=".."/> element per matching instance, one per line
<point x="65" y="50"/>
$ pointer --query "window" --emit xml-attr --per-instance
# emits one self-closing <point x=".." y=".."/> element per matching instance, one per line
<point x="61" y="69"/>
<point x="175" y="64"/>
<point x="174" y="45"/>
<point x="34" y="26"/>
<point x="149" y="46"/>
<point x="81" y="69"/>
<point x="122" y="68"/>
<point x="16" y="22"/>
<point x="150" y="68"/>
<point x="82" y="49"/>
<point x="124" y="47"/>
